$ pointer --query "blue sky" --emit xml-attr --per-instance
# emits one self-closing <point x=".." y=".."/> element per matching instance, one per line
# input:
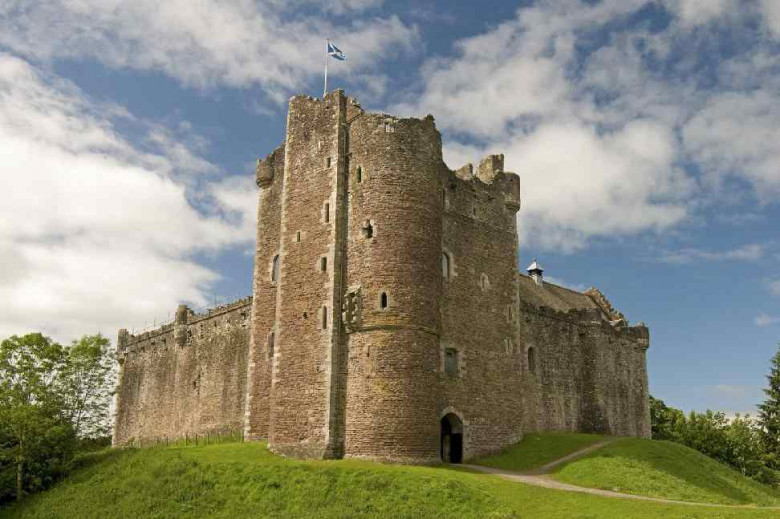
<point x="645" y="135"/>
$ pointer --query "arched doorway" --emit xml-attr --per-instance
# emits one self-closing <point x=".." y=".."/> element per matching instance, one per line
<point x="451" y="439"/>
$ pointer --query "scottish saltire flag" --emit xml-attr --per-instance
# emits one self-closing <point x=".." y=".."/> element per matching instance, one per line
<point x="335" y="53"/>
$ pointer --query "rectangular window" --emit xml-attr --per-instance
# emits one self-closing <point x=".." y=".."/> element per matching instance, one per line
<point x="326" y="212"/>
<point x="451" y="361"/>
<point x="327" y="162"/>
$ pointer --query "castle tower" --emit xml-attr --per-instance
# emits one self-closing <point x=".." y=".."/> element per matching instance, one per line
<point x="393" y="265"/>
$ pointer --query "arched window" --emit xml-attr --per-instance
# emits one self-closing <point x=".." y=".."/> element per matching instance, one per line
<point x="368" y="229"/>
<point x="532" y="359"/>
<point x="275" y="268"/>
<point x="383" y="300"/>
<point x="445" y="265"/>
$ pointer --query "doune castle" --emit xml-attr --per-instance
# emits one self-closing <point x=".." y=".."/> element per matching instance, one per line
<point x="388" y="319"/>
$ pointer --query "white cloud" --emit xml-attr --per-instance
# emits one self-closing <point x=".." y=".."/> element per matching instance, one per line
<point x="750" y="252"/>
<point x="736" y="134"/>
<point x="773" y="285"/>
<point x="771" y="11"/>
<point x="765" y="320"/>
<point x="203" y="43"/>
<point x="602" y="140"/>
<point x="96" y="233"/>
<point x="697" y="12"/>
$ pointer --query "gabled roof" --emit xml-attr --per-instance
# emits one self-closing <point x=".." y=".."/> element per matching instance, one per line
<point x="553" y="296"/>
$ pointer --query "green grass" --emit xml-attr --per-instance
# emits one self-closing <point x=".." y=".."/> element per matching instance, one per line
<point x="536" y="450"/>
<point x="245" y="480"/>
<point x="667" y="470"/>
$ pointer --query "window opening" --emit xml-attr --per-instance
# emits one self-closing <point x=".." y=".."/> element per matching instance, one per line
<point x="359" y="174"/>
<point x="275" y="268"/>
<point x="298" y="237"/>
<point x="368" y="229"/>
<point x="445" y="265"/>
<point x="327" y="213"/>
<point x="451" y="361"/>
<point x="383" y="300"/>
<point x="323" y="264"/>
<point x="271" y="345"/>
<point x="532" y="359"/>
<point x="324" y="317"/>
<point x="327" y="162"/>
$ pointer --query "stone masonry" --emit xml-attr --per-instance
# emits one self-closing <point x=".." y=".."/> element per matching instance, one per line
<point x="388" y="320"/>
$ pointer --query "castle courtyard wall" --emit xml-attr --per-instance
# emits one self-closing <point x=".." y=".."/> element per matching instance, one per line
<point x="187" y="377"/>
<point x="589" y="376"/>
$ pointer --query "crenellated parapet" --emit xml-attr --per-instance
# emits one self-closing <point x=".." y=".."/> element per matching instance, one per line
<point x="180" y="330"/>
<point x="486" y="192"/>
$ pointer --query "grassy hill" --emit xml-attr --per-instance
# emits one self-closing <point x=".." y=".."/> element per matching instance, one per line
<point x="245" y="480"/>
<point x="536" y="450"/>
<point x="667" y="470"/>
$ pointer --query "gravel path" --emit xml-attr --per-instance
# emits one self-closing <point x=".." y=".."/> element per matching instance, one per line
<point x="540" y="477"/>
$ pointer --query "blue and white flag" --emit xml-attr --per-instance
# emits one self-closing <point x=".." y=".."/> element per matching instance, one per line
<point x="335" y="53"/>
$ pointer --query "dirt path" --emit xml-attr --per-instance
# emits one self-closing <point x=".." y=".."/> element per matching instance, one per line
<point x="540" y="477"/>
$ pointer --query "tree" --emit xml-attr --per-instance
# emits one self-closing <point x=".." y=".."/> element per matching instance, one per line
<point x="769" y="414"/>
<point x="87" y="381"/>
<point x="37" y="437"/>
<point x="665" y="421"/>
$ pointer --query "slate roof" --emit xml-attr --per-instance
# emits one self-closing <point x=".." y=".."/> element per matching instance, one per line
<point x="552" y="296"/>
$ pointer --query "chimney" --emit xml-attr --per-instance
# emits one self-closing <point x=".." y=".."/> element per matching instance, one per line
<point x="535" y="271"/>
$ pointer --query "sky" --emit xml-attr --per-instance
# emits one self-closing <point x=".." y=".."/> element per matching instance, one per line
<point x="645" y="133"/>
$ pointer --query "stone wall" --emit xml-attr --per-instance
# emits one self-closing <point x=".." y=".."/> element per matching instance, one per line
<point x="186" y="377"/>
<point x="393" y="270"/>
<point x="589" y="376"/>
<point x="479" y="306"/>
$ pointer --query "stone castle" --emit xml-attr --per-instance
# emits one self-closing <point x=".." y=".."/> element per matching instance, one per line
<point x="388" y="319"/>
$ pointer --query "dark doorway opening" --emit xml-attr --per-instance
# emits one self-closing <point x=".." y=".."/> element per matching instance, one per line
<point x="451" y="439"/>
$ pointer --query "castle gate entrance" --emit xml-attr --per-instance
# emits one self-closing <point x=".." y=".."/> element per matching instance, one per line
<point x="451" y="439"/>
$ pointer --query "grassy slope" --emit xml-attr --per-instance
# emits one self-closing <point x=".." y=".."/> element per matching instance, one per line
<point x="536" y="450"/>
<point x="664" y="469"/>
<point x="244" y="480"/>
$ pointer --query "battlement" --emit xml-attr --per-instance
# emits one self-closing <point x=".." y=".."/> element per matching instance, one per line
<point x="594" y="318"/>
<point x="179" y="330"/>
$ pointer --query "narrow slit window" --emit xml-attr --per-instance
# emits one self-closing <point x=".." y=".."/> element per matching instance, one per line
<point x="327" y="162"/>
<point x="326" y="212"/>
<point x="532" y="360"/>
<point x="298" y="237"/>
<point x="445" y="265"/>
<point x="275" y="268"/>
<point x="271" y="345"/>
<point x="323" y="264"/>
<point x="359" y="174"/>
<point x="383" y="300"/>
<point x="324" y="317"/>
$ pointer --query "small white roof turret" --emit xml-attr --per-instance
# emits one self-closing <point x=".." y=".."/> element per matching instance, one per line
<point x="535" y="271"/>
<point x="534" y="267"/>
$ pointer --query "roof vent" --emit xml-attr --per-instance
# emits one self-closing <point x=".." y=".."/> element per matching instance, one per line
<point x="535" y="271"/>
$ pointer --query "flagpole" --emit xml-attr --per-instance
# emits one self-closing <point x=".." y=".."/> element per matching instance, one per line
<point x="325" y="90"/>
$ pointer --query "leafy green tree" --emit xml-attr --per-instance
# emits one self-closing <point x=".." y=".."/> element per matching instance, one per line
<point x="37" y="437"/>
<point x="769" y="414"/>
<point x="664" y="421"/>
<point x="87" y="382"/>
